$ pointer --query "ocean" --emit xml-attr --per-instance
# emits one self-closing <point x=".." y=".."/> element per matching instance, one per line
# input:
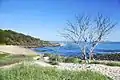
<point x="69" y="49"/>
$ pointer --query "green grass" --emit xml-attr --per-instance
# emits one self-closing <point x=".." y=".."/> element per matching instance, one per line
<point x="30" y="72"/>
<point x="3" y="55"/>
<point x="11" y="59"/>
<point x="72" y="60"/>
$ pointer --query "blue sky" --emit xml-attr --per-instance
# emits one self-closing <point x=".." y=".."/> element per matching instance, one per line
<point x="44" y="18"/>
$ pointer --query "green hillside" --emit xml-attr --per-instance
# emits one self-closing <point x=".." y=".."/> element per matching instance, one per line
<point x="9" y="37"/>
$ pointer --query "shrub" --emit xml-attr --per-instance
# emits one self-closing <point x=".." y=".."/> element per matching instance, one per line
<point x="47" y="55"/>
<point x="73" y="60"/>
<point x="53" y="62"/>
<point x="57" y="58"/>
<point x="113" y="57"/>
<point x="95" y="62"/>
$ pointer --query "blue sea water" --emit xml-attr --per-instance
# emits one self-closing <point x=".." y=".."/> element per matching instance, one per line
<point x="69" y="49"/>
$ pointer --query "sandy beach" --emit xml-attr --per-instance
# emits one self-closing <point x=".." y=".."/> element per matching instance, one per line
<point x="16" y="50"/>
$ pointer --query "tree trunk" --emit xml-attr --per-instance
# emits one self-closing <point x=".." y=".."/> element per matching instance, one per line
<point x="85" y="56"/>
<point x="91" y="52"/>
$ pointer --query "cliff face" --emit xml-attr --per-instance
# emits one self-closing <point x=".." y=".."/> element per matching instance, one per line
<point x="9" y="37"/>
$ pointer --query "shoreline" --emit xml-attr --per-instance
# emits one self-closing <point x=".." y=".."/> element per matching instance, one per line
<point x="17" y="50"/>
<point x="51" y="45"/>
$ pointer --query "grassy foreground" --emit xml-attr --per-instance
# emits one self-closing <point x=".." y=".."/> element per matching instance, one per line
<point x="30" y="72"/>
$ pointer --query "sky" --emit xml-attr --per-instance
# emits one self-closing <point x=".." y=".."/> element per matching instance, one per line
<point x="45" y="18"/>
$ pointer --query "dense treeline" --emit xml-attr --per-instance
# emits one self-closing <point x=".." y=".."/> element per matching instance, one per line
<point x="113" y="57"/>
<point x="10" y="37"/>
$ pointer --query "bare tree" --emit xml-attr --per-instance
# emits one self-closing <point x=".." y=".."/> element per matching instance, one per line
<point x="87" y="33"/>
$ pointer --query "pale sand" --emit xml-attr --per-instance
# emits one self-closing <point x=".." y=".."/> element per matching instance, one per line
<point x="16" y="50"/>
<point x="112" y="72"/>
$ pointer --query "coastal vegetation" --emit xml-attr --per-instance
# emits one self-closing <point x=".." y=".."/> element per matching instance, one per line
<point x="111" y="57"/>
<point x="9" y="37"/>
<point x="35" y="72"/>
<point x="8" y="59"/>
<point x="55" y="59"/>
<point x="100" y="59"/>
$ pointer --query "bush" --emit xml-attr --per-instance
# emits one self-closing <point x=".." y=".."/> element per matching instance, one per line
<point x="47" y="55"/>
<point x="73" y="60"/>
<point x="113" y="57"/>
<point x="57" y="58"/>
<point x="53" y="62"/>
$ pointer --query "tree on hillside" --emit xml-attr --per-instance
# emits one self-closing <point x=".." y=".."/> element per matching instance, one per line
<point x="1" y="37"/>
<point x="88" y="33"/>
<point x="10" y="37"/>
